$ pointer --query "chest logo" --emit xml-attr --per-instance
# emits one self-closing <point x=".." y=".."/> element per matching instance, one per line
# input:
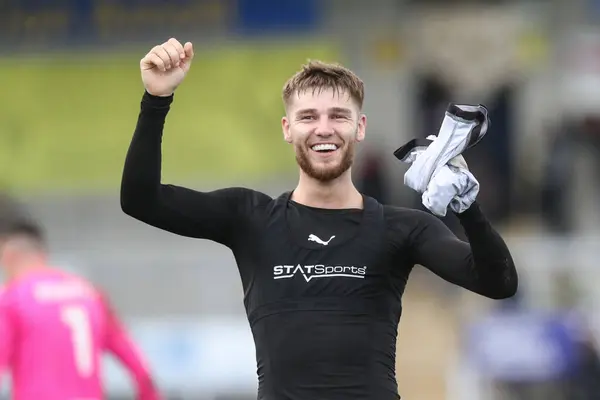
<point x="316" y="239"/>
<point x="309" y="272"/>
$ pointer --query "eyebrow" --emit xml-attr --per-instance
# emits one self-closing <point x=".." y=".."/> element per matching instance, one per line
<point x="307" y="111"/>
<point x="339" y="110"/>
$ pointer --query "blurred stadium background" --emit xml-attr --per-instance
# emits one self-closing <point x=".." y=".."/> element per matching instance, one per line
<point x="71" y="92"/>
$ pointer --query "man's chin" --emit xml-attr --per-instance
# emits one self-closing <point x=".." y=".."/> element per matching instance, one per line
<point x="325" y="172"/>
<point x="324" y="168"/>
<point x="325" y="163"/>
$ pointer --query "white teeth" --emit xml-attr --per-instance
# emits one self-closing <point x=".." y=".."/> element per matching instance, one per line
<point x="324" y="147"/>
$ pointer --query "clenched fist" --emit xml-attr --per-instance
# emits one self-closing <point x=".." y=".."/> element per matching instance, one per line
<point x="165" y="66"/>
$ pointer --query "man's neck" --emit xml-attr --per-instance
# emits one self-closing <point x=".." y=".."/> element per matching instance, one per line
<point x="339" y="193"/>
<point x="27" y="267"/>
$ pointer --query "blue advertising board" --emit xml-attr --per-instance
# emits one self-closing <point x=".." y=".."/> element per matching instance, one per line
<point x="67" y="22"/>
<point x="268" y="16"/>
<point x="522" y="346"/>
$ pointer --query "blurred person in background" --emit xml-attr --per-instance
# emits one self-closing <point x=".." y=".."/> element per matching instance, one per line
<point x="543" y="350"/>
<point x="585" y="381"/>
<point x="568" y="141"/>
<point x="323" y="267"/>
<point x="54" y="326"/>
<point x="526" y="353"/>
<point x="371" y="178"/>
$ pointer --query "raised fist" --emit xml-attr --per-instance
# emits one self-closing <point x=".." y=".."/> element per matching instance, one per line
<point x="165" y="66"/>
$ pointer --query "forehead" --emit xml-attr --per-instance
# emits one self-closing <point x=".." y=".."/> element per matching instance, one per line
<point x="321" y="99"/>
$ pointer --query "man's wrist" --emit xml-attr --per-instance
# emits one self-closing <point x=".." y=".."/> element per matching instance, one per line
<point x="472" y="212"/>
<point x="153" y="101"/>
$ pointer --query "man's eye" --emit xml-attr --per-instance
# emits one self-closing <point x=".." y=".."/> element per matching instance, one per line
<point x="338" y="116"/>
<point x="307" y="117"/>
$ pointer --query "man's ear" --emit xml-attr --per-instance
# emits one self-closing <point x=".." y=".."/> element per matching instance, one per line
<point x="362" y="128"/>
<point x="285" y="127"/>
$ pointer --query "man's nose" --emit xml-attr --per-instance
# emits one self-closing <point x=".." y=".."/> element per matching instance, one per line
<point x="324" y="127"/>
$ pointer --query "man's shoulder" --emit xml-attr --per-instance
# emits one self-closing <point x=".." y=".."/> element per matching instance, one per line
<point x="12" y="290"/>
<point x="11" y="296"/>
<point x="4" y="294"/>
<point x="244" y="192"/>
<point x="396" y="213"/>
<point x="57" y="286"/>
<point x="246" y="197"/>
<point x="408" y="219"/>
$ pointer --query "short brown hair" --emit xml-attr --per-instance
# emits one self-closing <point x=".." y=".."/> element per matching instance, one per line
<point x="318" y="75"/>
<point x="22" y="227"/>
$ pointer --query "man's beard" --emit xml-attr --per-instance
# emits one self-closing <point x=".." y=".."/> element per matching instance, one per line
<point x="325" y="173"/>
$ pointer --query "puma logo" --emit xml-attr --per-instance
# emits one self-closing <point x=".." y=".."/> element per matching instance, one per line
<point x="315" y="238"/>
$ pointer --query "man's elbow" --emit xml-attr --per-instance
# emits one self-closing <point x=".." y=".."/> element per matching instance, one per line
<point x="128" y="204"/>
<point x="506" y="292"/>
<point x="132" y="206"/>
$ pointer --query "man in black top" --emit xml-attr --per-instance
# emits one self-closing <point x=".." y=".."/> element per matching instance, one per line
<point x="323" y="267"/>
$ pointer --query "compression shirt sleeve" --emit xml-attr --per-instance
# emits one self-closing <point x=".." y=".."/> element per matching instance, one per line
<point x="207" y="215"/>
<point x="483" y="265"/>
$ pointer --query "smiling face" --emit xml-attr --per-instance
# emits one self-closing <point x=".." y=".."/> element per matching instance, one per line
<point x="324" y="126"/>
<point x="323" y="119"/>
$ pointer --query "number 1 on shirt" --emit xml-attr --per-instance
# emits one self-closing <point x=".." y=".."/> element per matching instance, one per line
<point x="78" y="322"/>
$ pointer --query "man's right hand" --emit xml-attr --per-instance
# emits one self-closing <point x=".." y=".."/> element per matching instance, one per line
<point x="165" y="66"/>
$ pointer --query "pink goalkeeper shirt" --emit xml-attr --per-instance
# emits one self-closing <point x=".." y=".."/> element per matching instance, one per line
<point x="53" y="329"/>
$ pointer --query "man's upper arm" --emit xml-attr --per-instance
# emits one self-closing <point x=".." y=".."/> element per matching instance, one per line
<point x="207" y="215"/>
<point x="211" y="215"/>
<point x="118" y="341"/>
